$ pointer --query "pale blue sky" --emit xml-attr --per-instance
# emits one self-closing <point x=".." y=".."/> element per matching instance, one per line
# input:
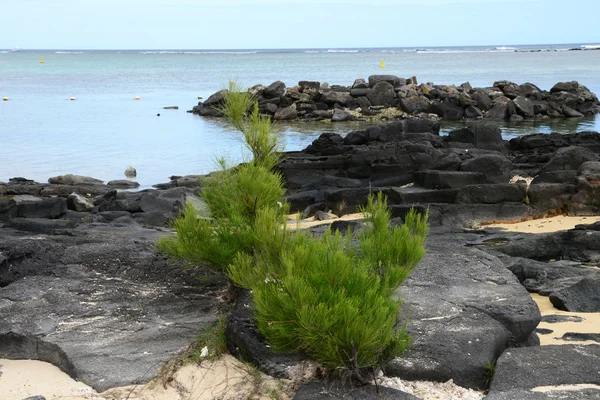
<point x="244" y="24"/>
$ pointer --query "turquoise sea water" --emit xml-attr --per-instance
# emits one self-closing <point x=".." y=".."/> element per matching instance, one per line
<point x="43" y="133"/>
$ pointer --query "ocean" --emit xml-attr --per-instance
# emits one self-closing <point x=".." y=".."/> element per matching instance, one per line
<point x="44" y="134"/>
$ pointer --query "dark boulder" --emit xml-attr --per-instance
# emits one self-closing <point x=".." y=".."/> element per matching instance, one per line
<point x="287" y="113"/>
<point x="71" y="179"/>
<point x="8" y="208"/>
<point x="524" y="107"/>
<point x="551" y="198"/>
<point x="308" y="85"/>
<point x="447" y="110"/>
<point x="584" y="296"/>
<point x="571" y="87"/>
<point x="123" y="184"/>
<point x="415" y="104"/>
<point x="382" y="94"/>
<point x="275" y="89"/>
<point x="31" y="207"/>
<point x="216" y="99"/>
<point x="342" y="98"/>
<point x="492" y="194"/>
<point x="77" y="202"/>
<point x="530" y="91"/>
<point x="531" y="367"/>
<point x="558" y="100"/>
<point x="499" y="111"/>
<point x="510" y="89"/>
<point x="567" y="176"/>
<point x="464" y="310"/>
<point x="448" y="179"/>
<point x="66" y="190"/>
<point x="360" y="83"/>
<point x="569" y="158"/>
<point x="40" y="225"/>
<point x="340" y="115"/>
<point x="360" y="92"/>
<point x="548" y="277"/>
<point x="484" y="102"/>
<point x="483" y="136"/>
<point x="391" y="79"/>
<point x="363" y="103"/>
<point x="473" y="113"/>
<point x="495" y="167"/>
<point x="570" y="113"/>
<point x="299" y="201"/>
<point x="112" y="282"/>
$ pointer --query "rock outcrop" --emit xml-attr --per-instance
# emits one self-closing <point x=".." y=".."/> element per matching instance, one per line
<point x="463" y="178"/>
<point x="404" y="98"/>
<point x="100" y="303"/>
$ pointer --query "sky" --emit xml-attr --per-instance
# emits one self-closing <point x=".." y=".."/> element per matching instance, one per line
<point x="265" y="24"/>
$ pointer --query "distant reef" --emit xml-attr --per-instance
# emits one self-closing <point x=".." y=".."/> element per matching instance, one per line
<point x="391" y="97"/>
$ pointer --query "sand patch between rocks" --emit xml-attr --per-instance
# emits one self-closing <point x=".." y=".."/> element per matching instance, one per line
<point x="546" y="225"/>
<point x="590" y="323"/>
<point x="566" y="388"/>
<point x="225" y="379"/>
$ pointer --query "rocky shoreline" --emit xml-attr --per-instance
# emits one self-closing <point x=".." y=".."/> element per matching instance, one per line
<point x="83" y="287"/>
<point x="392" y="97"/>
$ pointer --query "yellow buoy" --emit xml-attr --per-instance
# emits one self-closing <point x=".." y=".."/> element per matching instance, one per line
<point x="137" y="97"/>
<point x="199" y="97"/>
<point x="42" y="60"/>
<point x="73" y="98"/>
<point x="382" y="64"/>
<point x="5" y="99"/>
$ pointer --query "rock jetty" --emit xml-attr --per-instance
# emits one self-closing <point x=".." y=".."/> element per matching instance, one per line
<point x="389" y="96"/>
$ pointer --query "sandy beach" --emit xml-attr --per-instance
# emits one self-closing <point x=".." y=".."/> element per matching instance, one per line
<point x="590" y="321"/>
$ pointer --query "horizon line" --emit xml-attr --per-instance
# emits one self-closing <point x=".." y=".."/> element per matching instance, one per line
<point x="295" y="48"/>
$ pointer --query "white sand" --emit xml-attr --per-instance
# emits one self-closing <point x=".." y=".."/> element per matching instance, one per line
<point x="546" y="225"/>
<point x="20" y="379"/>
<point x="226" y="379"/>
<point x="590" y="323"/>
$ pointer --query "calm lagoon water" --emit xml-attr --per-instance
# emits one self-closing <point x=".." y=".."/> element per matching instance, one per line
<point x="43" y="133"/>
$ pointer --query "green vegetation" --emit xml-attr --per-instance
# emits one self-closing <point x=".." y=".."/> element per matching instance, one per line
<point x="332" y="297"/>
<point x="489" y="370"/>
<point x="209" y="345"/>
<point x="233" y="195"/>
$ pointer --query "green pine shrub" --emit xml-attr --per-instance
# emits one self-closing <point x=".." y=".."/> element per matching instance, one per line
<point x="233" y="195"/>
<point x="333" y="297"/>
<point x="329" y="297"/>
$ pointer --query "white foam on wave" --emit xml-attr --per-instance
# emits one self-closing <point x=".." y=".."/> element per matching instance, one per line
<point x="198" y="52"/>
<point x="505" y="48"/>
<point x="450" y="51"/>
<point x="342" y="51"/>
<point x="68" y="52"/>
<point x="590" y="46"/>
